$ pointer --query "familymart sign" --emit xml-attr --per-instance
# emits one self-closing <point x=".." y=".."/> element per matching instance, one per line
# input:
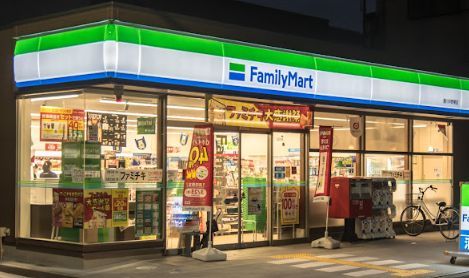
<point x="123" y="51"/>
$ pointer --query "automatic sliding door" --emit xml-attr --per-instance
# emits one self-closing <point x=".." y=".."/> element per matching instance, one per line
<point x="288" y="206"/>
<point x="254" y="187"/>
<point x="226" y="195"/>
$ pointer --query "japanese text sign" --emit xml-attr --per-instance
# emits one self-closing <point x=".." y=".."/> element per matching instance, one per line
<point x="61" y="124"/>
<point x="134" y="175"/>
<point x="199" y="173"/>
<point x="259" y="115"/>
<point x="325" y="160"/>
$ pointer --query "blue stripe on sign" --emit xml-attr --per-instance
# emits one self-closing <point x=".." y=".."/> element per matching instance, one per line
<point x="236" y="76"/>
<point x="298" y="96"/>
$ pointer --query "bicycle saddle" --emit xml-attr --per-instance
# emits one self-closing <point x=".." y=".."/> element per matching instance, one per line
<point x="441" y="204"/>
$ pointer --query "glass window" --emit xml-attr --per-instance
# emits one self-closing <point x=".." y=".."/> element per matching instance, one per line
<point x="186" y="109"/>
<point x="396" y="166"/>
<point x="386" y="134"/>
<point x="343" y="165"/>
<point x="343" y="139"/>
<point x="433" y="137"/>
<point x="90" y="168"/>
<point x="433" y="170"/>
<point x="288" y="201"/>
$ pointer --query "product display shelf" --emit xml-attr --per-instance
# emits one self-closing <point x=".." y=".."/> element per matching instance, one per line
<point x="380" y="224"/>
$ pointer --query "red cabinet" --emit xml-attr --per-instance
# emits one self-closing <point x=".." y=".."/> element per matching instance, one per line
<point x="350" y="197"/>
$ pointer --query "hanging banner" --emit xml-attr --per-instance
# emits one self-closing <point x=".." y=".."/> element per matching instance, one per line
<point x="198" y="181"/>
<point x="120" y="207"/>
<point x="290" y="209"/>
<point x="259" y="115"/>
<point x="325" y="160"/>
<point x="98" y="208"/>
<point x="61" y="124"/>
<point x="147" y="214"/>
<point x="356" y="126"/>
<point x="67" y="208"/>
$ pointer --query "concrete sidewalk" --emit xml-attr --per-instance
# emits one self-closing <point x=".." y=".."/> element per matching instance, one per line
<point x="404" y="256"/>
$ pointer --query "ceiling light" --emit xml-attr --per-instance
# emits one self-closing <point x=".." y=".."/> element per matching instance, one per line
<point x="125" y="102"/>
<point x="185" y="107"/>
<point x="54" y="97"/>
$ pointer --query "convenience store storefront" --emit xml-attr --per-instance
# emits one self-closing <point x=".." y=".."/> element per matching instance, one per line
<point x="105" y="114"/>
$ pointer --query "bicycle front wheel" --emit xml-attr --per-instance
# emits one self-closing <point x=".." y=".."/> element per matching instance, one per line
<point x="448" y="222"/>
<point x="413" y="220"/>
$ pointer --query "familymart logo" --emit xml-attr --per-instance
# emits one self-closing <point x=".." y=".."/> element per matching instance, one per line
<point x="237" y="72"/>
<point x="270" y="75"/>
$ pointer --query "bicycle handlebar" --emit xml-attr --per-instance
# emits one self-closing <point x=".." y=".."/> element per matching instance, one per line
<point x="428" y="187"/>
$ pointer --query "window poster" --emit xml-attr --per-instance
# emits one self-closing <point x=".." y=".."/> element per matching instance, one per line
<point x="67" y="208"/>
<point x="290" y="205"/>
<point x="98" y="208"/>
<point x="81" y="162"/>
<point x="108" y="129"/>
<point x="146" y="125"/>
<point x="147" y="213"/>
<point x="255" y="200"/>
<point x="120" y="207"/>
<point x="61" y="124"/>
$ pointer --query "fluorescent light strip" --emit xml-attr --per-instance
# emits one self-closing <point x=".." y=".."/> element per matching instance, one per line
<point x="54" y="97"/>
<point x="330" y="119"/>
<point x="122" y="113"/>
<point x="185" y="107"/>
<point x="180" y="128"/>
<point x="128" y="103"/>
<point x="187" y="118"/>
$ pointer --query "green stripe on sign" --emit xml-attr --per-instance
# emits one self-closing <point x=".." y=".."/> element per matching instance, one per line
<point x="265" y="55"/>
<point x="439" y="80"/>
<point x="180" y="42"/>
<point x="465" y="194"/>
<point x="394" y="74"/>
<point x="338" y="66"/>
<point x="65" y="39"/>
<point x="237" y="67"/>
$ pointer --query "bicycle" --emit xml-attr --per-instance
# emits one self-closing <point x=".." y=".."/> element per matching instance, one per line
<point x="413" y="217"/>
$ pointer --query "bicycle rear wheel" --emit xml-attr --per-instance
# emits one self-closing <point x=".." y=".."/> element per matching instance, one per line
<point x="413" y="220"/>
<point x="448" y="222"/>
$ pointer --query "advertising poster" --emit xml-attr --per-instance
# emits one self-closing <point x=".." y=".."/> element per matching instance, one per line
<point x="255" y="200"/>
<point x="464" y="227"/>
<point x="290" y="209"/>
<point x="98" y="208"/>
<point x="67" y="208"/>
<point x="146" y="125"/>
<point x="147" y="213"/>
<point x="198" y="184"/>
<point x="61" y="124"/>
<point x="325" y="161"/>
<point x="108" y="129"/>
<point x="75" y="156"/>
<point x="259" y="115"/>
<point x="120" y="207"/>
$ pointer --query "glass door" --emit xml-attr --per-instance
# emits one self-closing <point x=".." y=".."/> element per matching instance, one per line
<point x="226" y="197"/>
<point x="254" y="187"/>
<point x="288" y="206"/>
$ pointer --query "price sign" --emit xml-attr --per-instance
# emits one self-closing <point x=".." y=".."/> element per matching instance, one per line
<point x="290" y="207"/>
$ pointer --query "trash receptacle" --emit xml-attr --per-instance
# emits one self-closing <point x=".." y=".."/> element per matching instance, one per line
<point x="191" y="243"/>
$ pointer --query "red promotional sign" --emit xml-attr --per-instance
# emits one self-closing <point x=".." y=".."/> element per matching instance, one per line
<point x="259" y="115"/>
<point x="199" y="173"/>
<point x="325" y="160"/>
